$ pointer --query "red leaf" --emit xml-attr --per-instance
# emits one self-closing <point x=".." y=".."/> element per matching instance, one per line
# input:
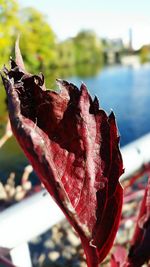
<point x="3" y="260"/>
<point x="140" y="247"/>
<point x="118" y="257"/>
<point x="73" y="147"/>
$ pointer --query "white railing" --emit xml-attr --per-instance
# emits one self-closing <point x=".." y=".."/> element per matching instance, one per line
<point x="24" y="221"/>
<point x="33" y="216"/>
<point x="135" y="155"/>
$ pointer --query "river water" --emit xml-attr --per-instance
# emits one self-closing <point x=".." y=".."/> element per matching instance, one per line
<point x="123" y="89"/>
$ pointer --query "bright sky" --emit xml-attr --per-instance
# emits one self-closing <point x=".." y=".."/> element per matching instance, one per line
<point x="108" y="18"/>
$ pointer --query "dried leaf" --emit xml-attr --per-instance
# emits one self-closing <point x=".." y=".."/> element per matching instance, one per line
<point x="4" y="251"/>
<point x="73" y="147"/>
<point x="19" y="59"/>
<point x="139" y="252"/>
<point x="3" y="260"/>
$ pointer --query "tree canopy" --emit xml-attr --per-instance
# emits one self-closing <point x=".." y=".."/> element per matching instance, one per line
<point x="38" y="41"/>
<point x="39" y="45"/>
<point x="88" y="47"/>
<point x="9" y="23"/>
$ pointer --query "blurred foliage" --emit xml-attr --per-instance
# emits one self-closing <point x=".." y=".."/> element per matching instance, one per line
<point x="38" y="41"/>
<point x="41" y="49"/>
<point x="145" y="53"/>
<point x="9" y="24"/>
<point x="39" y="45"/>
<point x="66" y="53"/>
<point x="88" y="47"/>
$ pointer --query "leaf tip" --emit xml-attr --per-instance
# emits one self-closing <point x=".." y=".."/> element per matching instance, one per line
<point x="19" y="59"/>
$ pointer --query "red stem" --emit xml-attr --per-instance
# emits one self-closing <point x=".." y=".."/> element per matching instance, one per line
<point x="91" y="254"/>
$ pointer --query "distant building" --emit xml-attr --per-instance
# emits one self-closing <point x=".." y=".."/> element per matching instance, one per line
<point x="130" y="40"/>
<point x="112" y="50"/>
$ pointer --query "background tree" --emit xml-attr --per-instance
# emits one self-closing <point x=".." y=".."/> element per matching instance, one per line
<point x="40" y="48"/>
<point x="66" y="53"/>
<point x="38" y="41"/>
<point x="9" y="25"/>
<point x="145" y="53"/>
<point x="88" y="48"/>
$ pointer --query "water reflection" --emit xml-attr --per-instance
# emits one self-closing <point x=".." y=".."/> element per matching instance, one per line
<point x="80" y="71"/>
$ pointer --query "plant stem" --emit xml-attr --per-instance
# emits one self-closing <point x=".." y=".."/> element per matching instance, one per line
<point x="91" y="254"/>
